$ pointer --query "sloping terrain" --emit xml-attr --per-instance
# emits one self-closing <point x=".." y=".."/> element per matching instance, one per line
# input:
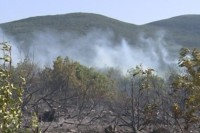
<point x="99" y="41"/>
<point x="76" y="23"/>
<point x="184" y="30"/>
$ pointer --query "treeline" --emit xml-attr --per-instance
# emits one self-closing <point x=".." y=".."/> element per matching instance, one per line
<point x="89" y="100"/>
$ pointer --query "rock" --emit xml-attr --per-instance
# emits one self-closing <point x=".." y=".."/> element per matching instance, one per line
<point x="160" y="130"/>
<point x="71" y="131"/>
<point x="109" y="129"/>
<point x="47" y="116"/>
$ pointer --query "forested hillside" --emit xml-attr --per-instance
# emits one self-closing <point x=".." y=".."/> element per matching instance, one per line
<point x="70" y="97"/>
<point x="92" y="74"/>
<point x="86" y="38"/>
<point x="184" y="30"/>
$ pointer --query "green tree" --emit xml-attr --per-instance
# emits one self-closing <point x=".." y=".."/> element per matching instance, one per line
<point x="10" y="96"/>
<point x="187" y="88"/>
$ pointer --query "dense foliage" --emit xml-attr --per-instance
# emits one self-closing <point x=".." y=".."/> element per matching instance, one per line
<point x="189" y="85"/>
<point x="71" y="93"/>
<point x="183" y="29"/>
<point x="10" y="96"/>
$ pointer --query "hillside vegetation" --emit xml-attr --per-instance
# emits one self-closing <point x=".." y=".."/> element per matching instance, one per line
<point x="183" y="30"/>
<point x="70" y="97"/>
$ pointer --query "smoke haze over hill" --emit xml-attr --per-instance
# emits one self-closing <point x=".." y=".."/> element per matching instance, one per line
<point x="96" y="49"/>
<point x="99" y="41"/>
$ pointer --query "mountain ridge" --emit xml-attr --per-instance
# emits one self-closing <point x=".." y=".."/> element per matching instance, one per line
<point x="96" y="40"/>
<point x="183" y="30"/>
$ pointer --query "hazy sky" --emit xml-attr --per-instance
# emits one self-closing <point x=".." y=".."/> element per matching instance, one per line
<point x="132" y="11"/>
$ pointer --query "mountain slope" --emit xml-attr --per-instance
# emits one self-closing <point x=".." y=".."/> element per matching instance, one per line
<point x="78" y="23"/>
<point x="97" y="40"/>
<point x="183" y="30"/>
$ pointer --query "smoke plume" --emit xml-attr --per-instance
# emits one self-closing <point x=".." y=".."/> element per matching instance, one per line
<point x="96" y="49"/>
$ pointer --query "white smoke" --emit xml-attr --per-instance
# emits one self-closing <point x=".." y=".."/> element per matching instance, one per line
<point x="97" y="49"/>
<point x="16" y="54"/>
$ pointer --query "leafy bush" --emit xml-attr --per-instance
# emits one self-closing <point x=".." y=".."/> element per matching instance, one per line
<point x="10" y="96"/>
